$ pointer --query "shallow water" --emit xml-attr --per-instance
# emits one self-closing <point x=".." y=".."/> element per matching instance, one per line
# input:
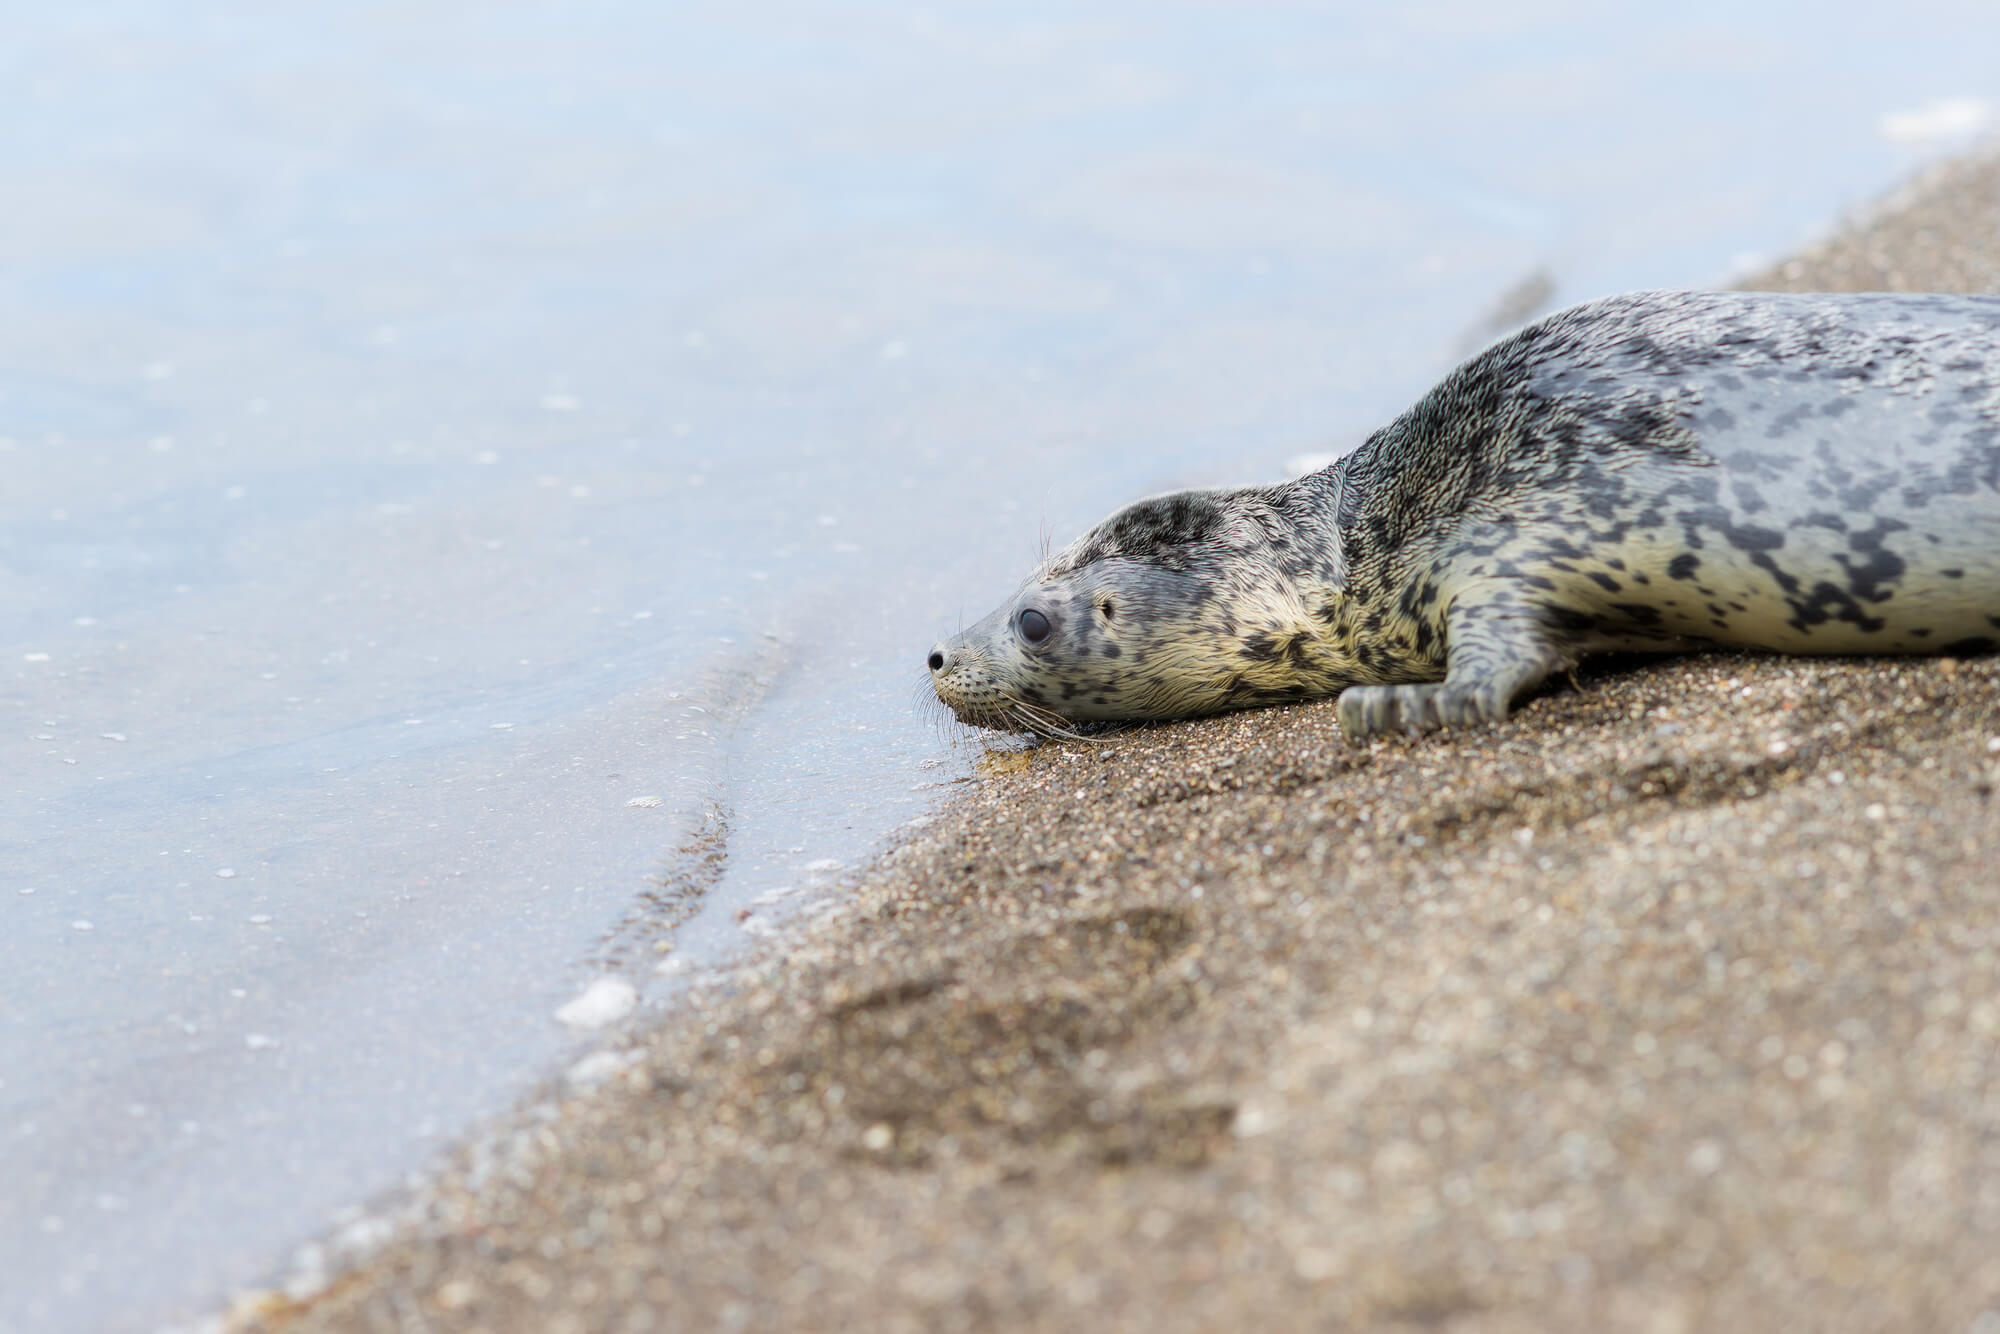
<point x="477" y="484"/>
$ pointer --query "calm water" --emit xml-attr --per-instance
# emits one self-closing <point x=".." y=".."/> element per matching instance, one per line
<point x="426" y="431"/>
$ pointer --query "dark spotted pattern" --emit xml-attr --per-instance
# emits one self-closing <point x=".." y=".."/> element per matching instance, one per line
<point x="1806" y="474"/>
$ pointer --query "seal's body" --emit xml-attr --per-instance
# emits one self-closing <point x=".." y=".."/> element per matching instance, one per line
<point x="1805" y="474"/>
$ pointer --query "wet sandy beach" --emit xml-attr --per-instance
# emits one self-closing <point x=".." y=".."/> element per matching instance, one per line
<point x="1672" y="1004"/>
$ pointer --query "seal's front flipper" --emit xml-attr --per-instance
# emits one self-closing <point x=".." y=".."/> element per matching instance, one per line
<point x="1496" y="650"/>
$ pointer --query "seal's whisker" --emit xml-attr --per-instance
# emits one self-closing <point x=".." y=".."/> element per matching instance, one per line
<point x="1027" y="721"/>
<point x="948" y="725"/>
<point x="1045" y="722"/>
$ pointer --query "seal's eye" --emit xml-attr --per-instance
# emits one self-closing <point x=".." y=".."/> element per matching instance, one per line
<point x="1035" y="627"/>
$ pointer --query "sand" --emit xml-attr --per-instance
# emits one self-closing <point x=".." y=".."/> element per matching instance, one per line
<point x="1672" y="1004"/>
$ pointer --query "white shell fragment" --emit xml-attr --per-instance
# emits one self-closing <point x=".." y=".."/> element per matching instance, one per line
<point x="605" y="1001"/>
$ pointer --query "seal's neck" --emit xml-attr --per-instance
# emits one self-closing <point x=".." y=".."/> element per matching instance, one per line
<point x="1311" y="505"/>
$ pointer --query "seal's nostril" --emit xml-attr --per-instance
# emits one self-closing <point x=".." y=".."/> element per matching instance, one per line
<point x="937" y="661"/>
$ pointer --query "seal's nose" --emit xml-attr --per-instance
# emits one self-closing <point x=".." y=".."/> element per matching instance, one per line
<point x="937" y="658"/>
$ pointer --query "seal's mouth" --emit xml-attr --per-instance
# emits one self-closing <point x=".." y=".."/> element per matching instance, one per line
<point x="1025" y="717"/>
<point x="1003" y="714"/>
<point x="997" y="711"/>
<point x="1018" y="715"/>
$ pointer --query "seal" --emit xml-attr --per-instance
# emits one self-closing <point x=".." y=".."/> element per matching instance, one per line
<point x="1659" y="471"/>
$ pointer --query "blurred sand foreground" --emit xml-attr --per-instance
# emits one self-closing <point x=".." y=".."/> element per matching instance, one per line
<point x="1674" y="1004"/>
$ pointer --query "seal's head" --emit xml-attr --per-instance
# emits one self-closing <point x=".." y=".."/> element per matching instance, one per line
<point x="1180" y="605"/>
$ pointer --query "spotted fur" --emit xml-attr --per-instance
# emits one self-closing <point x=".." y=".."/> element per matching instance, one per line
<point x="1666" y="470"/>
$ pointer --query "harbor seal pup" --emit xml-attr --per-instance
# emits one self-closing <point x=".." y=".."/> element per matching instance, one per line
<point x="1808" y="474"/>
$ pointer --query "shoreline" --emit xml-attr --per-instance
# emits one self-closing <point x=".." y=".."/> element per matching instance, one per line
<point x="1674" y="1003"/>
